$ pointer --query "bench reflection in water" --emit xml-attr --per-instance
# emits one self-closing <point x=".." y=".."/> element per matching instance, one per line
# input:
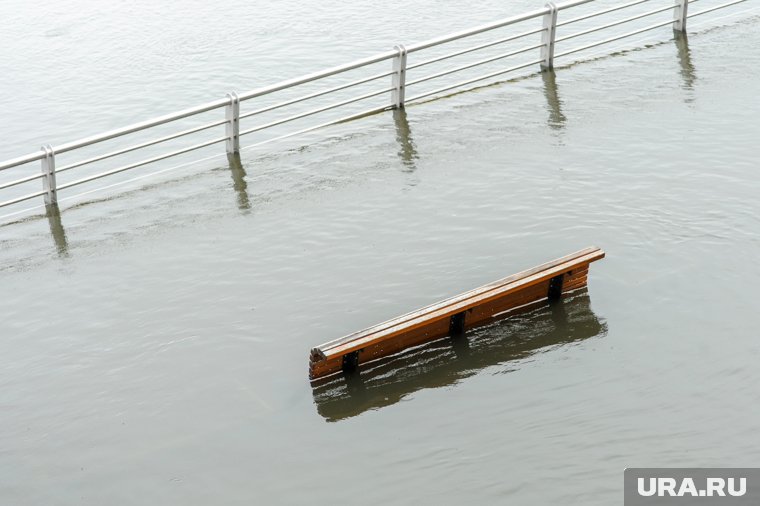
<point x="449" y="360"/>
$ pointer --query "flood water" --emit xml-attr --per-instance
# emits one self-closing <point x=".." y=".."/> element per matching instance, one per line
<point x="154" y="342"/>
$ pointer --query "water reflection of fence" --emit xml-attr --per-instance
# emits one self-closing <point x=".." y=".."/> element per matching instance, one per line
<point x="450" y="360"/>
<point x="151" y="138"/>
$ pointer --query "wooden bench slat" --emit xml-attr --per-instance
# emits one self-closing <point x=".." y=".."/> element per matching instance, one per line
<point x="439" y="365"/>
<point x="433" y="322"/>
<point x="462" y="303"/>
<point x="579" y="283"/>
<point x="456" y="298"/>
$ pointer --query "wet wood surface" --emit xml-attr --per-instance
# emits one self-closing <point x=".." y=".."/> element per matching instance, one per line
<point x="455" y="314"/>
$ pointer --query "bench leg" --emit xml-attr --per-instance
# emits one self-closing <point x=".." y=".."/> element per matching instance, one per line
<point x="456" y="324"/>
<point x="350" y="361"/>
<point x="555" y="287"/>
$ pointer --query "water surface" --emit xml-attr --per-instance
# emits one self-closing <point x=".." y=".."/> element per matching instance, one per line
<point x="155" y="342"/>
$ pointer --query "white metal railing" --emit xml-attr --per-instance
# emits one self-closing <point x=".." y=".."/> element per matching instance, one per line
<point x="545" y="48"/>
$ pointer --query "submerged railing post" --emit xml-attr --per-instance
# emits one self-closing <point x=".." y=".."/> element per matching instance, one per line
<point x="548" y="36"/>
<point x="679" y="15"/>
<point x="399" y="77"/>
<point x="48" y="182"/>
<point x="232" y="127"/>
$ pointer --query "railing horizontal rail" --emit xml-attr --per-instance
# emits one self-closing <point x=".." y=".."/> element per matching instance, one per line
<point x="618" y="37"/>
<point x="475" y="48"/>
<point x="141" y="163"/>
<point x="98" y="158"/>
<point x="315" y="111"/>
<point x="21" y="160"/>
<point x="574" y="3"/>
<point x="210" y="106"/>
<point x="475" y="80"/>
<point x="705" y="11"/>
<point x="22" y="180"/>
<point x="471" y="65"/>
<point x="318" y="75"/>
<point x="138" y="178"/>
<point x="316" y="94"/>
<point x="322" y="125"/>
<point x="615" y="23"/>
<point x="478" y="29"/>
<point x="604" y="11"/>
<point x="400" y="80"/>
<point x="23" y="198"/>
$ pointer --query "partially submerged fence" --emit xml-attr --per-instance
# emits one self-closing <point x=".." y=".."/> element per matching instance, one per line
<point x="401" y="84"/>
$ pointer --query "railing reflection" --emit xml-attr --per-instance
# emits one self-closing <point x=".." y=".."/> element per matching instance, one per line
<point x="407" y="151"/>
<point x="446" y="362"/>
<point x="238" y="182"/>
<point x="56" y="229"/>
<point x="684" y="59"/>
<point x="556" y="118"/>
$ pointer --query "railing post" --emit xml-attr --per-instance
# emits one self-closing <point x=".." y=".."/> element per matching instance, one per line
<point x="679" y="15"/>
<point x="548" y="36"/>
<point x="48" y="182"/>
<point x="399" y="78"/>
<point x="232" y="127"/>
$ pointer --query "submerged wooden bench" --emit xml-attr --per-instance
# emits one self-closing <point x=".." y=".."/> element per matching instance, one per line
<point x="454" y="315"/>
<point x="445" y="362"/>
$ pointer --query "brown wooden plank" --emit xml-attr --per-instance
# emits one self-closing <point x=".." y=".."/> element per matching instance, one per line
<point x="434" y="330"/>
<point x="576" y="273"/>
<point x="488" y="310"/>
<point x="475" y="317"/>
<point x="512" y="305"/>
<point x="460" y="305"/>
<point x="575" y="284"/>
<point x="594" y="251"/>
<point x="432" y="322"/>
<point x="388" y="381"/>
